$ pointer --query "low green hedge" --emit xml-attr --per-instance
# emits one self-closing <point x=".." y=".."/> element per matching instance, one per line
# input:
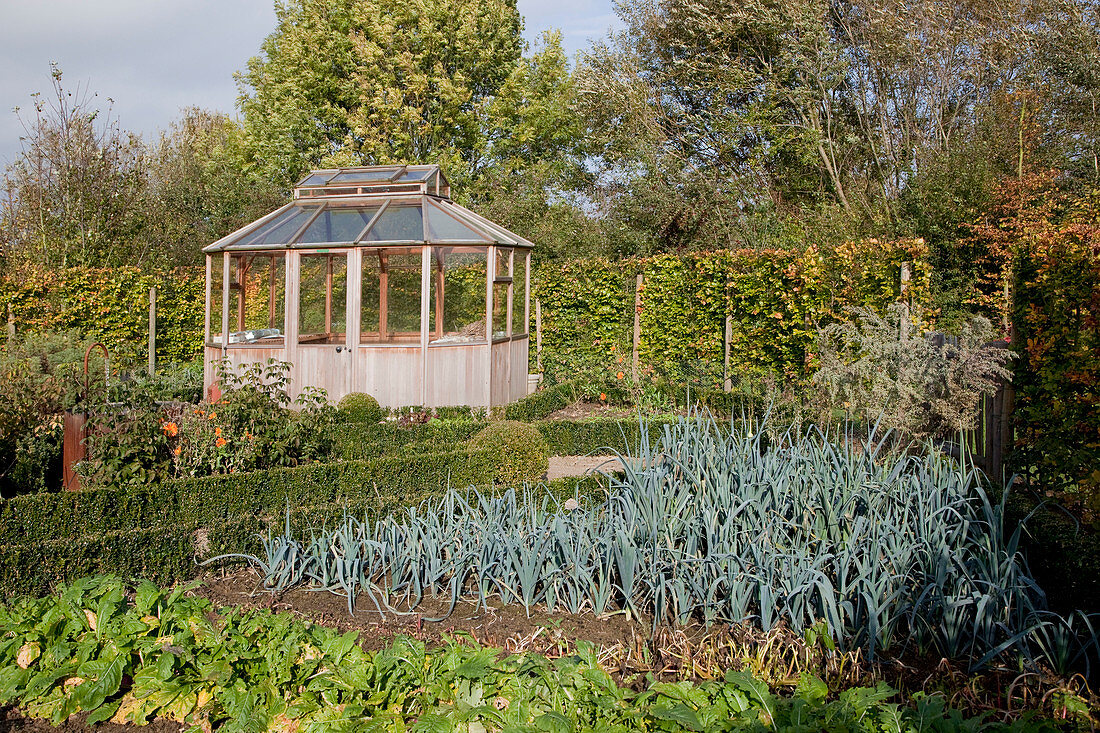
<point x="204" y="501"/>
<point x="542" y="403"/>
<point x="356" y="442"/>
<point x="581" y="437"/>
<point x="166" y="551"/>
<point x="163" y="554"/>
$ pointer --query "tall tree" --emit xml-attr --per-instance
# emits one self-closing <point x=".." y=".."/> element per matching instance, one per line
<point x="72" y="196"/>
<point x="344" y="82"/>
<point x="198" y="189"/>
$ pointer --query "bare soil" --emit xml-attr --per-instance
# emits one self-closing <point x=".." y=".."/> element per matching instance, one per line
<point x="12" y="721"/>
<point x="505" y="626"/>
<point x="581" y="410"/>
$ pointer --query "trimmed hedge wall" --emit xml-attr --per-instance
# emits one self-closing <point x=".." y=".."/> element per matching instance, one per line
<point x="588" y="436"/>
<point x="542" y="403"/>
<point x="213" y="499"/>
<point x="166" y="551"/>
<point x="112" y="306"/>
<point x="775" y="299"/>
<point x="359" y="441"/>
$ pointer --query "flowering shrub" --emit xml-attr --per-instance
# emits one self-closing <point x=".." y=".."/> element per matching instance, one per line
<point x="250" y="427"/>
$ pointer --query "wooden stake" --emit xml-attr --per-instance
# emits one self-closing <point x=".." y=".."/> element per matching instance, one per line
<point x="152" y="330"/>
<point x="637" y="328"/>
<point x="727" y="381"/>
<point x="11" y="323"/>
<point x="538" y="335"/>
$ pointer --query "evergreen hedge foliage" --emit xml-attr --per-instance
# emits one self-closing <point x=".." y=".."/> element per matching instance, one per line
<point x="775" y="299"/>
<point x="112" y="306"/>
<point x="160" y="533"/>
<point x="386" y="482"/>
<point x="542" y="403"/>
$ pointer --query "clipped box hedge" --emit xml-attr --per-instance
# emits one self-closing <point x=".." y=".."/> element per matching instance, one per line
<point x="168" y="550"/>
<point x="581" y="437"/>
<point x="212" y="499"/>
<point x="359" y="441"/>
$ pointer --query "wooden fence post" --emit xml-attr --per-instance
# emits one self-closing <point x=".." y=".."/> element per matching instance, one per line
<point x="637" y="327"/>
<point x="152" y="330"/>
<point x="11" y="324"/>
<point x="538" y="335"/>
<point x="727" y="382"/>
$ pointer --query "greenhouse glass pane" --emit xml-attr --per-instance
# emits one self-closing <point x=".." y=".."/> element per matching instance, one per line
<point x="398" y="224"/>
<point x="282" y="228"/>
<point x="409" y="176"/>
<point x="317" y="179"/>
<point x="258" y="298"/>
<point x="444" y="227"/>
<point x="338" y="225"/>
<point x="322" y="298"/>
<point x="368" y="176"/>
<point x="519" y="292"/>
<point x="390" y="296"/>
<point x="458" y="294"/>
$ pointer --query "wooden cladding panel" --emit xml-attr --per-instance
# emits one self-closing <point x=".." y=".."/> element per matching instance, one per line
<point x="455" y="375"/>
<point x="390" y="374"/>
<point x="517" y="380"/>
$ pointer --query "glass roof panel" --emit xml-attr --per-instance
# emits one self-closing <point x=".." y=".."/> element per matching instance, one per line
<point x="317" y="179"/>
<point x="398" y="224"/>
<point x="338" y="225"/>
<point x="367" y="176"/>
<point x="280" y="229"/>
<point x="408" y="176"/>
<point x="445" y="227"/>
<point x="501" y="234"/>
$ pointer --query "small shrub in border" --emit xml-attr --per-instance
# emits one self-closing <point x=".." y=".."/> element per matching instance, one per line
<point x="360" y="407"/>
<point x="521" y="451"/>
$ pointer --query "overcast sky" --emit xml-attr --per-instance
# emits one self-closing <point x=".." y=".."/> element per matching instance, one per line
<point x="155" y="57"/>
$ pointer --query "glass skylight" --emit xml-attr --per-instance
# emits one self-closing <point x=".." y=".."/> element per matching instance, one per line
<point x="338" y="225"/>
<point x="398" y="224"/>
<point x="369" y="207"/>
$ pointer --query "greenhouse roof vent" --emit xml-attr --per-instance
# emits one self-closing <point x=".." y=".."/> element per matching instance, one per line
<point x="374" y="179"/>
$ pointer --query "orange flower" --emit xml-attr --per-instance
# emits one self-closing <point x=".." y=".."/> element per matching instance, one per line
<point x="176" y="450"/>
<point x="220" y="442"/>
<point x="211" y="416"/>
<point x="247" y="435"/>
<point x="603" y="396"/>
<point x="217" y="431"/>
<point x="620" y="375"/>
<point x="170" y="429"/>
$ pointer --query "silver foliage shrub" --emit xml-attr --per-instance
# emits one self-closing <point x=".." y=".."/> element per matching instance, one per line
<point x="883" y="369"/>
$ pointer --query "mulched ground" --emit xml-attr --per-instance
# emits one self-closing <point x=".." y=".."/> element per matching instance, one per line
<point x="508" y="627"/>
<point x="581" y="410"/>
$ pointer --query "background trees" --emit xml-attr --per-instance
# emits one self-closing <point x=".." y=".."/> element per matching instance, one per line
<point x="702" y="124"/>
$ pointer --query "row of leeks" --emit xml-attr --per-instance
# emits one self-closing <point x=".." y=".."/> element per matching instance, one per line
<point x="716" y="524"/>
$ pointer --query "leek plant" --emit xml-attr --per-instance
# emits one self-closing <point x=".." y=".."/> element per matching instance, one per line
<point x="725" y="525"/>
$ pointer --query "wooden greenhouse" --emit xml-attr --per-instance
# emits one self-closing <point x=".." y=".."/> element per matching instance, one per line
<point x="373" y="280"/>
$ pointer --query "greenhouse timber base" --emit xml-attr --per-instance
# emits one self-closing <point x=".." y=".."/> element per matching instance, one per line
<point x="373" y="280"/>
